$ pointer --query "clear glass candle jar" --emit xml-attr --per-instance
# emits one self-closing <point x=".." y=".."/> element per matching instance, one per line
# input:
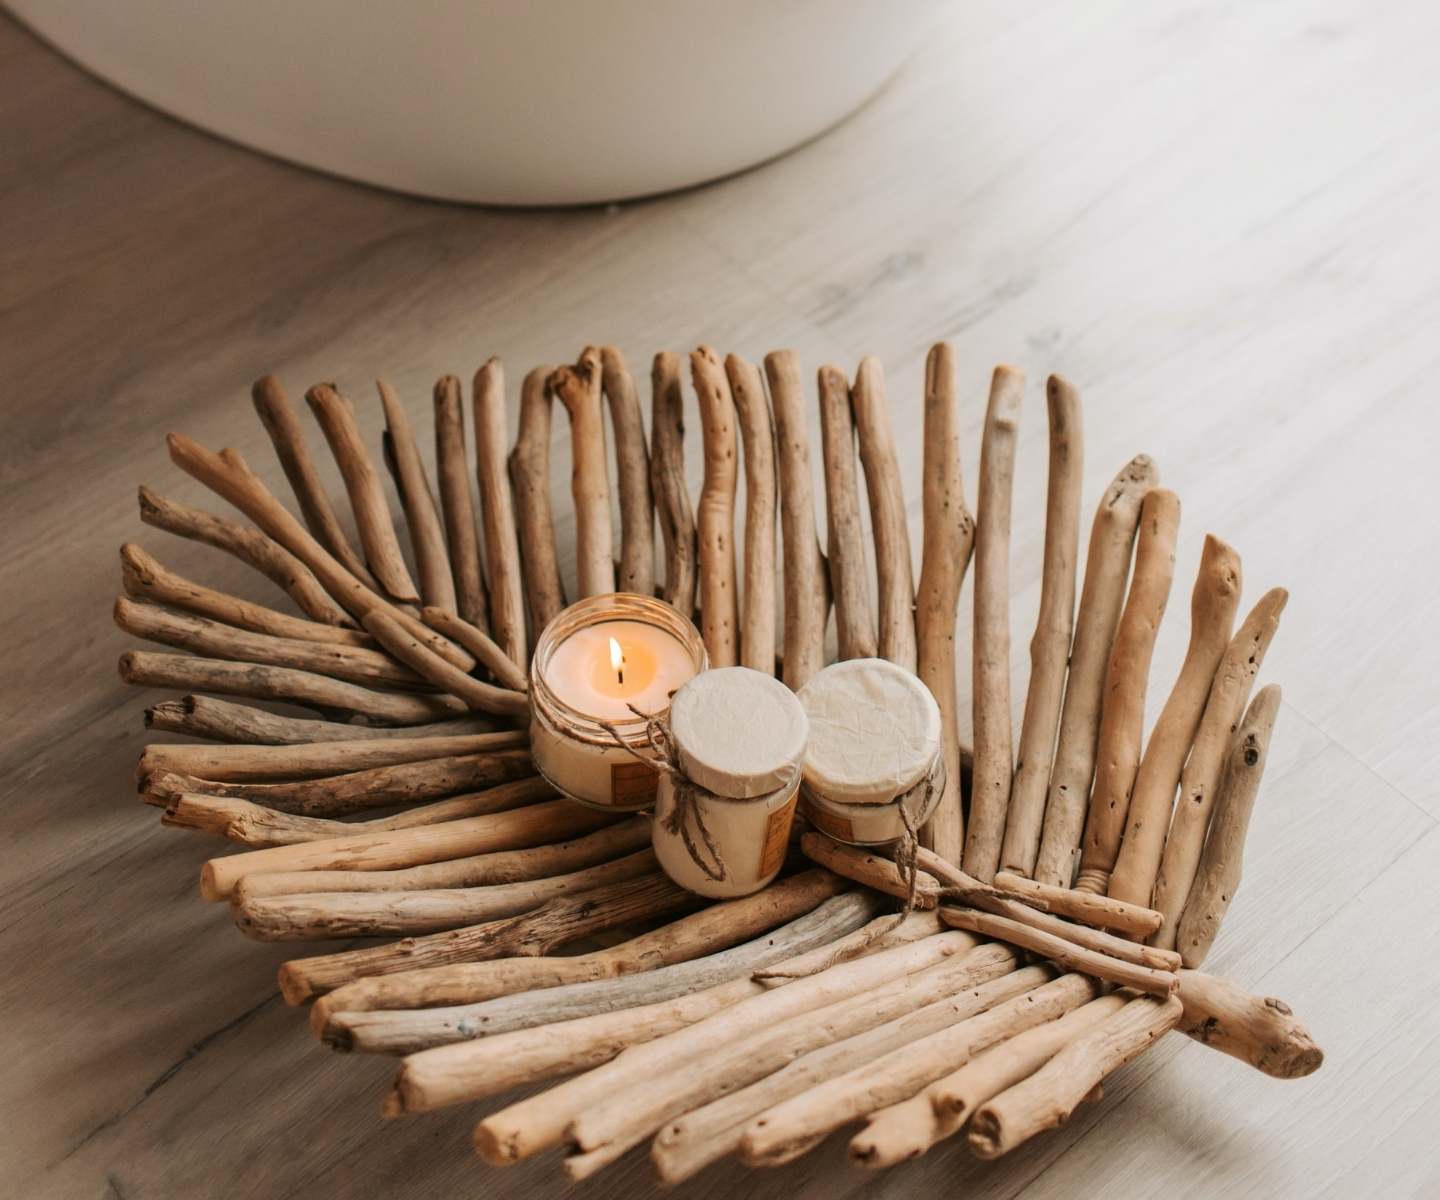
<point x="594" y="661"/>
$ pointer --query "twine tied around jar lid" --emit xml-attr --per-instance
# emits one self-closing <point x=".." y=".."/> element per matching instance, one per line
<point x="686" y="812"/>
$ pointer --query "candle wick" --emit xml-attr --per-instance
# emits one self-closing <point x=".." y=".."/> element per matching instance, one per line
<point x="620" y="674"/>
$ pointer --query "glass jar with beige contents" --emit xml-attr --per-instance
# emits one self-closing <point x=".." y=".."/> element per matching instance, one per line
<point x="733" y="745"/>
<point x="873" y="762"/>
<point x="602" y="669"/>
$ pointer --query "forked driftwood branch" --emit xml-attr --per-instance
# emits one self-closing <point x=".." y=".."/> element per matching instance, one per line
<point x="452" y="471"/>
<point x="1107" y="567"/>
<point x="282" y="423"/>
<point x="894" y="575"/>
<point x="845" y="543"/>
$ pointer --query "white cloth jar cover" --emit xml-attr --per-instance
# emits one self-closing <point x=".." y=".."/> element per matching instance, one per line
<point x="874" y="746"/>
<point x="722" y="825"/>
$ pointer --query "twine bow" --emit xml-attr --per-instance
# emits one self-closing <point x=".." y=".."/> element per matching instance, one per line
<point x="686" y="810"/>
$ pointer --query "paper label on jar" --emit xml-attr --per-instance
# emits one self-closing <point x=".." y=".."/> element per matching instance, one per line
<point x="777" y="837"/>
<point x="838" y="828"/>
<point x="632" y="785"/>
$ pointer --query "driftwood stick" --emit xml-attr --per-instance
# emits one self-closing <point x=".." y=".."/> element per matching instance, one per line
<point x="1131" y="920"/>
<point x="413" y="653"/>
<point x="220" y="720"/>
<point x="477" y="642"/>
<point x="908" y="1129"/>
<point x="757" y="433"/>
<point x="537" y="933"/>
<point x="248" y="545"/>
<point x="478" y="870"/>
<point x="427" y="537"/>
<point x="212" y="639"/>
<point x="835" y="1041"/>
<point x="497" y="514"/>
<point x="1070" y="955"/>
<point x="714" y="927"/>
<point x="928" y="999"/>
<point x="302" y="917"/>
<point x="534" y="1124"/>
<point x="1048" y="1097"/>
<point x="873" y="870"/>
<point x="378" y="787"/>
<point x="1222" y="862"/>
<point x="1084" y="936"/>
<point x="455" y="1073"/>
<point x="715" y="511"/>
<point x="706" y="962"/>
<point x="788" y="1128"/>
<point x="636" y="571"/>
<point x="845" y="543"/>
<point x="667" y="479"/>
<point x="1020" y="908"/>
<point x="807" y="600"/>
<point x="253" y="825"/>
<point x="384" y="1031"/>
<point x="1050" y="645"/>
<point x="578" y="389"/>
<point x="228" y="475"/>
<point x="336" y="415"/>
<point x="534" y="825"/>
<point x="1107" y="568"/>
<point x="894" y="574"/>
<point x="955" y="882"/>
<point x="146" y="579"/>
<point x="529" y="465"/>
<point x="314" y="760"/>
<point x="949" y="538"/>
<point x="994" y="765"/>
<point x="1122" y="716"/>
<point x="145" y="668"/>
<point x="1212" y="618"/>
<point x="1231" y="689"/>
<point x="1259" y="1030"/>
<point x="452" y="473"/>
<point x="282" y="423"/>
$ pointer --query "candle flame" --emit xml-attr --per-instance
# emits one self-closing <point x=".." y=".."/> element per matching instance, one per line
<point x="617" y="660"/>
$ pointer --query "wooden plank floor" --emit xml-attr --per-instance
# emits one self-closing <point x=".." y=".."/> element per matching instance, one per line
<point x="1219" y="220"/>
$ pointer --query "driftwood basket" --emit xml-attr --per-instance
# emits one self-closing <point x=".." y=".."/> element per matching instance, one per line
<point x="1046" y="925"/>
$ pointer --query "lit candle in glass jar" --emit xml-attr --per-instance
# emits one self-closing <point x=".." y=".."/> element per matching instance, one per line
<point x="596" y="663"/>
<point x="605" y="668"/>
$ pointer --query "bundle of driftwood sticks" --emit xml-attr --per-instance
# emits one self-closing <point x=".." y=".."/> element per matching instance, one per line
<point x="1052" y="927"/>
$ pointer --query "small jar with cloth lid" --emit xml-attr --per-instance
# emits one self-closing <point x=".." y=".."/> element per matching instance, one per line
<point x="873" y="765"/>
<point x="730" y="755"/>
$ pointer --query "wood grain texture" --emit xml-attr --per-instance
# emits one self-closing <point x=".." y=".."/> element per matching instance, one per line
<point x="1214" y="220"/>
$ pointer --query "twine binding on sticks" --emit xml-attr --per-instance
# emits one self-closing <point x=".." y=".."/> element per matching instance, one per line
<point x="686" y="812"/>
